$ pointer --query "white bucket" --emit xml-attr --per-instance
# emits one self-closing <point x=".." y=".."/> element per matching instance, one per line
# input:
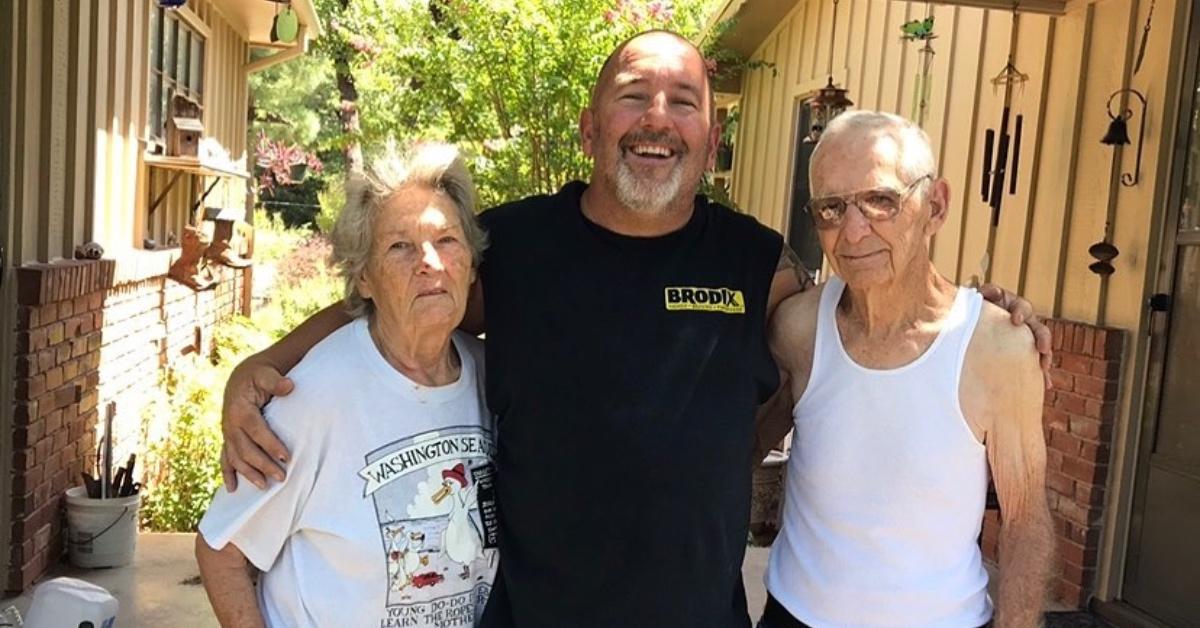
<point x="101" y="532"/>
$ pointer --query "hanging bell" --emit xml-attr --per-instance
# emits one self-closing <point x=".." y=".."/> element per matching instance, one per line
<point x="1103" y="251"/>
<point x="1103" y="269"/>
<point x="1118" y="132"/>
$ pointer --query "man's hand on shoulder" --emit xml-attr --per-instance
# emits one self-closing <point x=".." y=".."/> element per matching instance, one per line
<point x="250" y="447"/>
<point x="1021" y="312"/>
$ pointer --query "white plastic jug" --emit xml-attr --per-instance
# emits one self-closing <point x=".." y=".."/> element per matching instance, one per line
<point x="71" y="603"/>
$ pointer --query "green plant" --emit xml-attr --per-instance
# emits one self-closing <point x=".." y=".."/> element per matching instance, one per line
<point x="183" y="468"/>
<point x="332" y="199"/>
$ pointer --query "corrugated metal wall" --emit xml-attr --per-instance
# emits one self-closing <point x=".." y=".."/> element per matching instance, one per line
<point x="75" y="77"/>
<point x="1067" y="186"/>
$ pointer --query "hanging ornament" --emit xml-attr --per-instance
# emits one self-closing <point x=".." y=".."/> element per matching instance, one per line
<point x="1141" y="56"/>
<point x="1103" y="253"/>
<point x="831" y="100"/>
<point x="921" y="30"/>
<point x="1002" y="149"/>
<point x="286" y="26"/>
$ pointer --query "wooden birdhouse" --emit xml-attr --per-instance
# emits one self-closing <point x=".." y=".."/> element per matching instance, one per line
<point x="184" y="128"/>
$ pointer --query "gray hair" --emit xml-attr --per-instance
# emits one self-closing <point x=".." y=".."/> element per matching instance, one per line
<point x="916" y="151"/>
<point x="431" y="164"/>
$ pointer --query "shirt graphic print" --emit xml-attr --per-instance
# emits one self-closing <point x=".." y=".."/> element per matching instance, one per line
<point x="425" y="491"/>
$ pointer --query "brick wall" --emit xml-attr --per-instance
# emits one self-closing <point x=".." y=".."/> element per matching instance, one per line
<point x="90" y="333"/>
<point x="1078" y="418"/>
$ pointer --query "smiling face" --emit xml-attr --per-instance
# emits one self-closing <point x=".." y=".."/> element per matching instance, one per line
<point x="649" y="127"/>
<point x="867" y="253"/>
<point x="419" y="269"/>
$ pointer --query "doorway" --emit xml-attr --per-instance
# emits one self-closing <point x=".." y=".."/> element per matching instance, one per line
<point x="801" y="235"/>
<point x="1162" y="571"/>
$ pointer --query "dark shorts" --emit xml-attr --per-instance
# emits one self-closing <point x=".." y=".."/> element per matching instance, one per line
<point x="776" y="616"/>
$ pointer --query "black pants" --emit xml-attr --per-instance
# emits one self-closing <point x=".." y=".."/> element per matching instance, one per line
<point x="776" y="616"/>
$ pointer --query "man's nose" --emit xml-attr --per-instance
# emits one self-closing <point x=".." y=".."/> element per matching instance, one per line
<point x="430" y="257"/>
<point x="855" y="226"/>
<point x="656" y="111"/>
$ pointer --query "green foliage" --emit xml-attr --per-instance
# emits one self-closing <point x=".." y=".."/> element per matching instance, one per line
<point x="504" y="79"/>
<point x="295" y="102"/>
<point x="332" y="199"/>
<point x="184" y="469"/>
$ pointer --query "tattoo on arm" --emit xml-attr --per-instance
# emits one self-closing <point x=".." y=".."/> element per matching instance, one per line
<point x="789" y="260"/>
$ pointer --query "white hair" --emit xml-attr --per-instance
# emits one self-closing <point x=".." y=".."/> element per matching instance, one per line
<point x="916" y="151"/>
<point x="431" y="164"/>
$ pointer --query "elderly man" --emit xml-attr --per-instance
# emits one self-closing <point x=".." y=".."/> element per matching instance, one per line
<point x="910" y="390"/>
<point x="626" y="348"/>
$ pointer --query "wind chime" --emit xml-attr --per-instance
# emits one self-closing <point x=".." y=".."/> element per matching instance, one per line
<point x="921" y="30"/>
<point x="1002" y="146"/>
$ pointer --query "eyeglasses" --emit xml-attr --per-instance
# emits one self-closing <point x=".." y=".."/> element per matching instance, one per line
<point x="876" y="205"/>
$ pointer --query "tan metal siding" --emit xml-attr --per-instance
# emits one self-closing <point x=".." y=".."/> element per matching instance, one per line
<point x="1066" y="187"/>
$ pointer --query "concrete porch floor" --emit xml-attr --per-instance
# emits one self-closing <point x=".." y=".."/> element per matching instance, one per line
<point x="162" y="586"/>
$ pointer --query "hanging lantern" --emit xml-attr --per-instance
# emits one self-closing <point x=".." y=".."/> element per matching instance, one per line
<point x="829" y="103"/>
<point x="831" y="100"/>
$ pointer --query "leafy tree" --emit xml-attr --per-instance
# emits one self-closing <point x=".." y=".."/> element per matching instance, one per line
<point x="503" y="79"/>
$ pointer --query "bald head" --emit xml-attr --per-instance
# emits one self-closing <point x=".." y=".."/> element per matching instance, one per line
<point x="667" y="41"/>
<point x="876" y="136"/>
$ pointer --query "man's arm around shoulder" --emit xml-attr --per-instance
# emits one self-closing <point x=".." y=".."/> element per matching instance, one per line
<point x="1003" y="394"/>
<point x="790" y="333"/>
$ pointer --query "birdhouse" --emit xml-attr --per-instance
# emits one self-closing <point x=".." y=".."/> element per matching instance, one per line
<point x="184" y="128"/>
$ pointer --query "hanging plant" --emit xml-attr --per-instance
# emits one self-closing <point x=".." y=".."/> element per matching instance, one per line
<point x="282" y="163"/>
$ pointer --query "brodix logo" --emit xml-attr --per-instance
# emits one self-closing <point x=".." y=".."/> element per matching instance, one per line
<point x="705" y="299"/>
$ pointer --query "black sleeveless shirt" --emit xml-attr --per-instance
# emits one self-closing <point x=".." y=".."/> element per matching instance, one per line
<point x="623" y="374"/>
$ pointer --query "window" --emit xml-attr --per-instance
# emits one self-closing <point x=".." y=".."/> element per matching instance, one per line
<point x="176" y="68"/>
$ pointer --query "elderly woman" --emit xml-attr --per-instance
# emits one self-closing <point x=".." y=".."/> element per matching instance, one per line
<point x="377" y="522"/>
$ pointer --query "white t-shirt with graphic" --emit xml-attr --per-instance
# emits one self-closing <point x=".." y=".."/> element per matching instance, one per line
<point x="378" y="521"/>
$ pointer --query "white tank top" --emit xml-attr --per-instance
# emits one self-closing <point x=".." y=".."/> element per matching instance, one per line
<point x="885" y="489"/>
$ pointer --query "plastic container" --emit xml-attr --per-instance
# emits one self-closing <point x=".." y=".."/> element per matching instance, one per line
<point x="101" y="532"/>
<point x="71" y="603"/>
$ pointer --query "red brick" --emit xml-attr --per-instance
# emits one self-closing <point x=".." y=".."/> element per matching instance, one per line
<point x="1110" y="369"/>
<point x="1060" y="483"/>
<point x="1076" y="554"/>
<point x="1084" y="471"/>
<point x="1084" y="427"/>
<point x="1104" y="411"/>
<point x="53" y="377"/>
<point x="79" y="347"/>
<point x="70" y="370"/>
<point x="25" y="413"/>
<point x="1076" y="363"/>
<point x="1055" y="418"/>
<point x="1054" y="459"/>
<point x="46" y="359"/>
<point x="47" y="313"/>
<point x="55" y="333"/>
<point x="62" y="353"/>
<point x="1070" y="594"/>
<point x="31" y="388"/>
<point x="1071" y="403"/>
<point x="1058" y="335"/>
<point x="1089" y="341"/>
<point x="1064" y="442"/>
<point x="1089" y="495"/>
<point x="1063" y="381"/>
<point x="1095" y="388"/>
<point x="1077" y="341"/>
<point x="1097" y="453"/>
<point x="65" y="309"/>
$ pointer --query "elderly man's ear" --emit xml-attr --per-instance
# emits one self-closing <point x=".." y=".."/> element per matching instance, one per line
<point x="939" y="205"/>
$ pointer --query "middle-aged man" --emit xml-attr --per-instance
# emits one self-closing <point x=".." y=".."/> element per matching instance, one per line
<point x="910" y="388"/>
<point x="626" y="351"/>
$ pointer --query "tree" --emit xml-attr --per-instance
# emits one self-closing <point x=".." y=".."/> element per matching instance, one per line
<point x="503" y="79"/>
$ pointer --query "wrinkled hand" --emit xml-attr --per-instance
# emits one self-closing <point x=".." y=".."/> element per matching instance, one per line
<point x="250" y="447"/>
<point x="1022" y="313"/>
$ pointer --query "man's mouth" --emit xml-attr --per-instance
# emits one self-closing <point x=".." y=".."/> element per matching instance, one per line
<point x="432" y="292"/>
<point x="651" y="151"/>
